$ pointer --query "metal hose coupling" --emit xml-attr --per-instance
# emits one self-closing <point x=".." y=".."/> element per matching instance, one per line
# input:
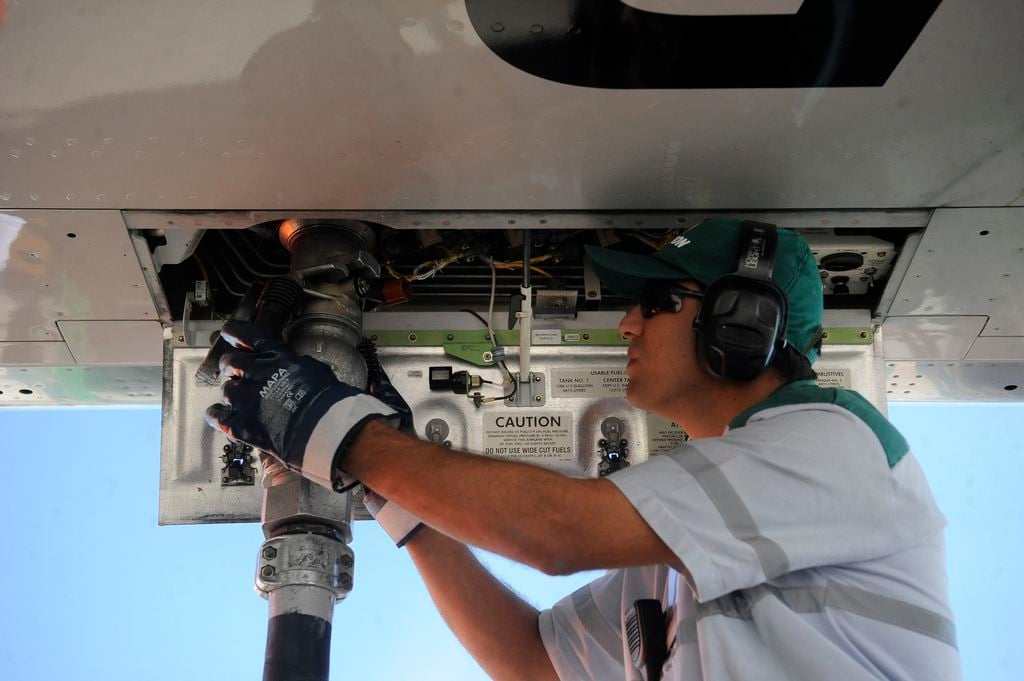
<point x="305" y="559"/>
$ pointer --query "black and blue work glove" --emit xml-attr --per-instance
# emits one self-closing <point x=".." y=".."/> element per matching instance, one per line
<point x="291" y="407"/>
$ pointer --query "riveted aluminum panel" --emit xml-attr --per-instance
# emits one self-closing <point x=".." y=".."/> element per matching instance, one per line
<point x="57" y="265"/>
<point x="970" y="262"/>
<point x="932" y="337"/>
<point x="387" y="104"/>
<point x="79" y="386"/>
<point x="966" y="381"/>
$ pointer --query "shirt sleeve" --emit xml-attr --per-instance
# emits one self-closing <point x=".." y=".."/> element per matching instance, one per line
<point x="802" y="489"/>
<point x="582" y="633"/>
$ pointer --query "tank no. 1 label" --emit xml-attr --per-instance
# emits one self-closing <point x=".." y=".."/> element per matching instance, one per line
<point x="597" y="382"/>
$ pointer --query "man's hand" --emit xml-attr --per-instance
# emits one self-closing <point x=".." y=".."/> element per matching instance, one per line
<point x="291" y="407"/>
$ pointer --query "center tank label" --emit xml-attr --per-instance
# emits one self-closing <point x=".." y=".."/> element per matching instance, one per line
<point x="543" y="436"/>
<point x="597" y="382"/>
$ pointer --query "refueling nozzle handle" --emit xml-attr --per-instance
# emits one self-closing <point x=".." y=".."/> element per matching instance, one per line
<point x="269" y="304"/>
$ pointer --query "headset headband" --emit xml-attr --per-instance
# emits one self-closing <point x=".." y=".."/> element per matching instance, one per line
<point x="757" y="250"/>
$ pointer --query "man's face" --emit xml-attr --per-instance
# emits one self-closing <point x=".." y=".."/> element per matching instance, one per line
<point x="662" y="359"/>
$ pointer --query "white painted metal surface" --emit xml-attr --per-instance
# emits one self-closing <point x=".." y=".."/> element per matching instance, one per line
<point x="398" y="105"/>
<point x="35" y="353"/>
<point x="130" y="343"/>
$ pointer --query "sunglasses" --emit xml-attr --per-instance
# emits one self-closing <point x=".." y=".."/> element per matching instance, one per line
<point x="659" y="295"/>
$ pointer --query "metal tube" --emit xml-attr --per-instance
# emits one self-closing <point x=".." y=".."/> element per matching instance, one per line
<point x="526" y="316"/>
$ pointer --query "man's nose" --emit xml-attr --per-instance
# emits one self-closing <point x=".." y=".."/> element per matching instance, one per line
<point x="632" y="324"/>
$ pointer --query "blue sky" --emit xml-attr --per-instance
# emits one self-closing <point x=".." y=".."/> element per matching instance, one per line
<point x="96" y="590"/>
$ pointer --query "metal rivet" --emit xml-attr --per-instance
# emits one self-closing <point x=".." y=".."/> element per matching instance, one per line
<point x="450" y="336"/>
<point x="863" y="334"/>
<point x="536" y="378"/>
<point x="412" y="337"/>
<point x="586" y="336"/>
<point x="538" y="398"/>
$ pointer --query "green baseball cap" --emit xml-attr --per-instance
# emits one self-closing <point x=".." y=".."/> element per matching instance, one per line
<point x="710" y="250"/>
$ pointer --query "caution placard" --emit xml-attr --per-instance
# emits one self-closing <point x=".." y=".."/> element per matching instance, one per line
<point x="535" y="435"/>
<point x="597" y="382"/>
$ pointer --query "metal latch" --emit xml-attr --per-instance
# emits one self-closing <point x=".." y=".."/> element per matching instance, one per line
<point x="613" y="447"/>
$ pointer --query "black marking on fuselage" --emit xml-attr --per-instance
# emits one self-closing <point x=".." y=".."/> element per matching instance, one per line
<point x="607" y="44"/>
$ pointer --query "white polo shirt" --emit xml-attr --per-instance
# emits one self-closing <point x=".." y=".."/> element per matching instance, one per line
<point x="814" y="545"/>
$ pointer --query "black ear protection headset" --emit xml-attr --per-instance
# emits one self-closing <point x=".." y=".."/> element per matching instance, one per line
<point x="742" y="319"/>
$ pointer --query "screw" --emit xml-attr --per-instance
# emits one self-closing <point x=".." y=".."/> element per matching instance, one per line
<point x="586" y="336"/>
<point x="450" y="336"/>
<point x="268" y="571"/>
<point x="863" y="334"/>
<point x="412" y="337"/>
<point x="346" y="561"/>
<point x="181" y="339"/>
<point x="536" y="378"/>
<point x="510" y="399"/>
<point x="227" y="449"/>
<point x="270" y="553"/>
<point x="591" y="294"/>
<point x="346" y="581"/>
<point x="824" y="335"/>
<point x="224" y="479"/>
<point x="538" y="398"/>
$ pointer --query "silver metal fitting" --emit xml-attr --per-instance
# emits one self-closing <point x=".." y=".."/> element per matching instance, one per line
<point x="305" y="560"/>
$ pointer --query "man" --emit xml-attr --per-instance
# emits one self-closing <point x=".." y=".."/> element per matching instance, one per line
<point x="794" y="537"/>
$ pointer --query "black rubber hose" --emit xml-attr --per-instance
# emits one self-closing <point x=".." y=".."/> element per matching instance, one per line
<point x="298" y="648"/>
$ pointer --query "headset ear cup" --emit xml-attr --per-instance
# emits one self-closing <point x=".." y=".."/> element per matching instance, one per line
<point x="740" y="325"/>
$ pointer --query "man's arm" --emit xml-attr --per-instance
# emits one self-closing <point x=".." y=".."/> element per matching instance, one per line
<point x="497" y="627"/>
<point x="554" y="523"/>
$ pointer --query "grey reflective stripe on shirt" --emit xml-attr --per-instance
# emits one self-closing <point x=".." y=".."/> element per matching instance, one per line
<point x="734" y="512"/>
<point x="815" y="599"/>
<point x="594" y="623"/>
